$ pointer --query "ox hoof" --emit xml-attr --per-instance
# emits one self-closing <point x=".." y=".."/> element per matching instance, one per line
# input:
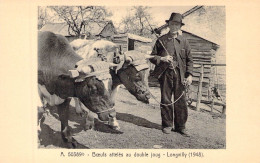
<point x="46" y="113"/>
<point x="72" y="144"/>
<point x="66" y="135"/>
<point x="115" y="128"/>
<point x="113" y="123"/>
<point x="89" y="123"/>
<point x="89" y="127"/>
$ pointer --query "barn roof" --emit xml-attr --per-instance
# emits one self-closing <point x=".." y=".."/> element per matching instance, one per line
<point x="96" y="28"/>
<point x="135" y="37"/>
<point x="93" y="28"/>
<point x="200" y="37"/>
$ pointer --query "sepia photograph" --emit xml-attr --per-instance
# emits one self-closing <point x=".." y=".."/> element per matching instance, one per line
<point x="132" y="77"/>
<point x="129" y="81"/>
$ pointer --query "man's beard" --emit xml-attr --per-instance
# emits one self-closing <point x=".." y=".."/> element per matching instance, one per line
<point x="174" y="32"/>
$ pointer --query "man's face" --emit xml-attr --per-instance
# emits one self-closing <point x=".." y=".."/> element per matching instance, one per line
<point x="174" y="26"/>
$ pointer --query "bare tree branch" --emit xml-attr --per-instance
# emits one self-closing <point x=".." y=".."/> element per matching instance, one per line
<point x="136" y="23"/>
<point x="78" y="17"/>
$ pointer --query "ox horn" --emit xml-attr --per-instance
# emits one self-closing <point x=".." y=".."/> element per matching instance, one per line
<point x="84" y="69"/>
<point x="148" y="56"/>
<point x="128" y="59"/>
<point x="112" y="65"/>
<point x="73" y="73"/>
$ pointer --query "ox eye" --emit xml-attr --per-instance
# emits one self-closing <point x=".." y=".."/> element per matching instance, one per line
<point x="137" y="77"/>
<point x="93" y="90"/>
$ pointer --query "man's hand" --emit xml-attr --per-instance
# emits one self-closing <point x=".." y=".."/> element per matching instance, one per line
<point x="166" y="58"/>
<point x="188" y="80"/>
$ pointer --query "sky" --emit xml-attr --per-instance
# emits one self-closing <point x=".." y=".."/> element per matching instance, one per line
<point x="158" y="13"/>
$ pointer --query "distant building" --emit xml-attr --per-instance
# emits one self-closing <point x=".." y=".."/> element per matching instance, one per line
<point x="130" y="41"/>
<point x="92" y="30"/>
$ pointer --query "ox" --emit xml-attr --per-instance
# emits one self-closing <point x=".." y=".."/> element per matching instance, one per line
<point x="56" y="63"/>
<point x="131" y="70"/>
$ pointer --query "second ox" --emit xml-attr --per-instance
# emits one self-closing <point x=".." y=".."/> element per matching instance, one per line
<point x="131" y="68"/>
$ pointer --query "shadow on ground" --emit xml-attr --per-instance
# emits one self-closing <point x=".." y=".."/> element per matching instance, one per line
<point x="137" y="121"/>
<point x="50" y="137"/>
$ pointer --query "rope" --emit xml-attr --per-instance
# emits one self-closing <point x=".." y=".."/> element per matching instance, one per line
<point x="176" y="99"/>
<point x="166" y="104"/>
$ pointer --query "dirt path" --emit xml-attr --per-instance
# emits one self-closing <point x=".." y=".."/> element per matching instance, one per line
<point x="140" y="128"/>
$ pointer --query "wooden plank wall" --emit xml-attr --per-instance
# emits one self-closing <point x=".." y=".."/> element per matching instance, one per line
<point x="202" y="52"/>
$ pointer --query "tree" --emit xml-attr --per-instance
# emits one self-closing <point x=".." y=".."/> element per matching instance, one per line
<point x="78" y="17"/>
<point x="136" y="23"/>
<point x="42" y="17"/>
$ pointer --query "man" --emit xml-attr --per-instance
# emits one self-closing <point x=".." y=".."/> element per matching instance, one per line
<point x="173" y="68"/>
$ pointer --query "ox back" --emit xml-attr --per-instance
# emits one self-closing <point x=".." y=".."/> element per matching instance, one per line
<point x="55" y="58"/>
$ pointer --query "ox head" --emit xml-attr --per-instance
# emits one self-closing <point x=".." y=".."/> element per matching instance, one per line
<point x="92" y="86"/>
<point x="132" y="70"/>
<point x="134" y="75"/>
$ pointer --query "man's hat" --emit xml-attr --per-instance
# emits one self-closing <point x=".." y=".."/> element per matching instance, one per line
<point x="176" y="17"/>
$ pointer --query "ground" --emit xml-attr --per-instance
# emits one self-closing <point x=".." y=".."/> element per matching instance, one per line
<point x="140" y="128"/>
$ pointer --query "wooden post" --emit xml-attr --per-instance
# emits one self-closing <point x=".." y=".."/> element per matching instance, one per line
<point x="224" y="110"/>
<point x="212" y="105"/>
<point x="200" y="87"/>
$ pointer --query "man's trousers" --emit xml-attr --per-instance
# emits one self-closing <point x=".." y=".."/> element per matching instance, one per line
<point x="171" y="85"/>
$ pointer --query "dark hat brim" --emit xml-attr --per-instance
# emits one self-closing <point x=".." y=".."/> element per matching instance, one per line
<point x="167" y="21"/>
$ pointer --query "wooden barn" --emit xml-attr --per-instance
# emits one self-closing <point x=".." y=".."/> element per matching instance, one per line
<point x="203" y="52"/>
<point x="209" y="22"/>
<point x="93" y="30"/>
<point x="130" y="41"/>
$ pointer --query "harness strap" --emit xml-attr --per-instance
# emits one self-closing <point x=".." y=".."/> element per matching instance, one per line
<point x="105" y="110"/>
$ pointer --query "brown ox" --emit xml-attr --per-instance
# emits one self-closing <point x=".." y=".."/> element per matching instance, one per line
<point x="55" y="60"/>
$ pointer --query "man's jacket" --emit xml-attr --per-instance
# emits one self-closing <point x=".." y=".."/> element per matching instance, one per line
<point x="181" y="46"/>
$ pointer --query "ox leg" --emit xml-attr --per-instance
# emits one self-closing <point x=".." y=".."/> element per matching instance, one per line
<point x="66" y="130"/>
<point x="41" y="119"/>
<point x="89" y="122"/>
<point x="43" y="112"/>
<point x="80" y="108"/>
